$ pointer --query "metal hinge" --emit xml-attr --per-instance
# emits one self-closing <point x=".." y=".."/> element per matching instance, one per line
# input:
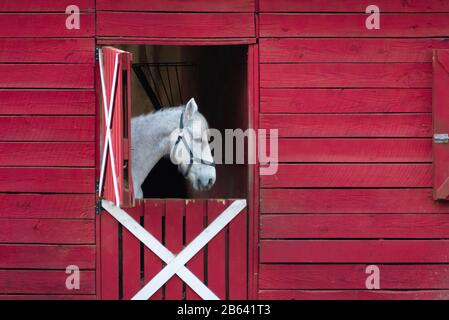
<point x="441" y="138"/>
<point x="98" y="207"/>
<point x="97" y="186"/>
<point x="97" y="54"/>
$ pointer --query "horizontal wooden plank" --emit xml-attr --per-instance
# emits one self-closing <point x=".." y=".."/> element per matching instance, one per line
<point x="177" y="5"/>
<point x="352" y="6"/>
<point x="60" y="76"/>
<point x="344" y="125"/>
<point x="355" y="251"/>
<point x="45" y="154"/>
<point x="353" y="25"/>
<point x="349" y="176"/>
<point x="275" y="50"/>
<point x="345" y="100"/>
<point x="35" y="50"/>
<point x="39" y="206"/>
<point x="350" y="201"/>
<point x="191" y="25"/>
<point x="51" y="231"/>
<point x="352" y="276"/>
<point x="23" y="25"/>
<point x="349" y="75"/>
<point x="57" y="180"/>
<point x="27" y="256"/>
<point x="50" y="102"/>
<point x="375" y="225"/>
<point x="47" y="128"/>
<point x="44" y="5"/>
<point x="44" y="282"/>
<point x="353" y="294"/>
<point x="353" y="150"/>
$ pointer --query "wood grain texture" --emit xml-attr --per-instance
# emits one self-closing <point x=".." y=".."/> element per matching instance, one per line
<point x="353" y="25"/>
<point x="44" y="5"/>
<point x="44" y="282"/>
<point x="354" y="294"/>
<point x="293" y="50"/>
<point x="327" y="226"/>
<point x="350" y="201"/>
<point x="355" y="251"/>
<point x="47" y="154"/>
<point x="320" y="100"/>
<point x="61" y="76"/>
<point x="47" y="102"/>
<point x="192" y="25"/>
<point x="352" y="6"/>
<point x="350" y="75"/>
<point x="62" y="180"/>
<point x="29" y="256"/>
<point x="195" y="213"/>
<point x="47" y="297"/>
<point x="47" y="128"/>
<point x="40" y="206"/>
<point x="352" y="276"/>
<point x="23" y="25"/>
<point x="238" y="257"/>
<point x="345" y="125"/>
<point x="354" y="150"/>
<point x="35" y="50"/>
<point x="177" y="5"/>
<point x="109" y="252"/>
<point x="47" y="231"/>
<point x="216" y="252"/>
<point x="154" y="210"/>
<point x="349" y="176"/>
<point x="174" y="242"/>
<point x="131" y="257"/>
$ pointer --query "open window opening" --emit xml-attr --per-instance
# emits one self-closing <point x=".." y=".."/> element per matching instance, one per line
<point x="166" y="76"/>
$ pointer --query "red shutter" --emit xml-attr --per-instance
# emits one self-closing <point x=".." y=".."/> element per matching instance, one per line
<point x="120" y="126"/>
<point x="440" y="124"/>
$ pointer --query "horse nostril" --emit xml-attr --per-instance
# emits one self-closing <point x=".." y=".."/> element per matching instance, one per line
<point x="211" y="182"/>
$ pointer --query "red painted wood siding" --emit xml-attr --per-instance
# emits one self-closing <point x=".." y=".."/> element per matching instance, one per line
<point x="177" y="5"/>
<point x="342" y="104"/>
<point x="440" y="124"/>
<point x="354" y="183"/>
<point x="47" y="161"/>
<point x="175" y="19"/>
<point x="120" y="126"/>
<point x="174" y="25"/>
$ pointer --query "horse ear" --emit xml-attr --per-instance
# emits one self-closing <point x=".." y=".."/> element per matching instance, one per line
<point x="191" y="108"/>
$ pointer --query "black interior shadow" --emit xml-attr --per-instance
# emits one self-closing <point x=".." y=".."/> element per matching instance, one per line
<point x="165" y="181"/>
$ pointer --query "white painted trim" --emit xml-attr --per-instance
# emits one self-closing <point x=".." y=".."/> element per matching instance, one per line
<point x="191" y="250"/>
<point x="108" y="119"/>
<point x="162" y="252"/>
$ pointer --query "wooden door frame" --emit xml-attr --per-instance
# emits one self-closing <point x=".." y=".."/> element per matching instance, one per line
<point x="253" y="123"/>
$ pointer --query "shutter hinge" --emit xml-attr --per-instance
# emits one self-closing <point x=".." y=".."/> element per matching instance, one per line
<point x="97" y="54"/>
<point x="441" y="138"/>
<point x="98" y="207"/>
<point x="97" y="186"/>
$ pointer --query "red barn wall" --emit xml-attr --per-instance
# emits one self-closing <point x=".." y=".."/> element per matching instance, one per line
<point x="354" y="183"/>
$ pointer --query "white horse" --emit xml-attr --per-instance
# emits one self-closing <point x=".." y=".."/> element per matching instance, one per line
<point x="182" y="133"/>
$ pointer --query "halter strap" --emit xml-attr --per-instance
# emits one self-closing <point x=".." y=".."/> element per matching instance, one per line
<point x="186" y="145"/>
